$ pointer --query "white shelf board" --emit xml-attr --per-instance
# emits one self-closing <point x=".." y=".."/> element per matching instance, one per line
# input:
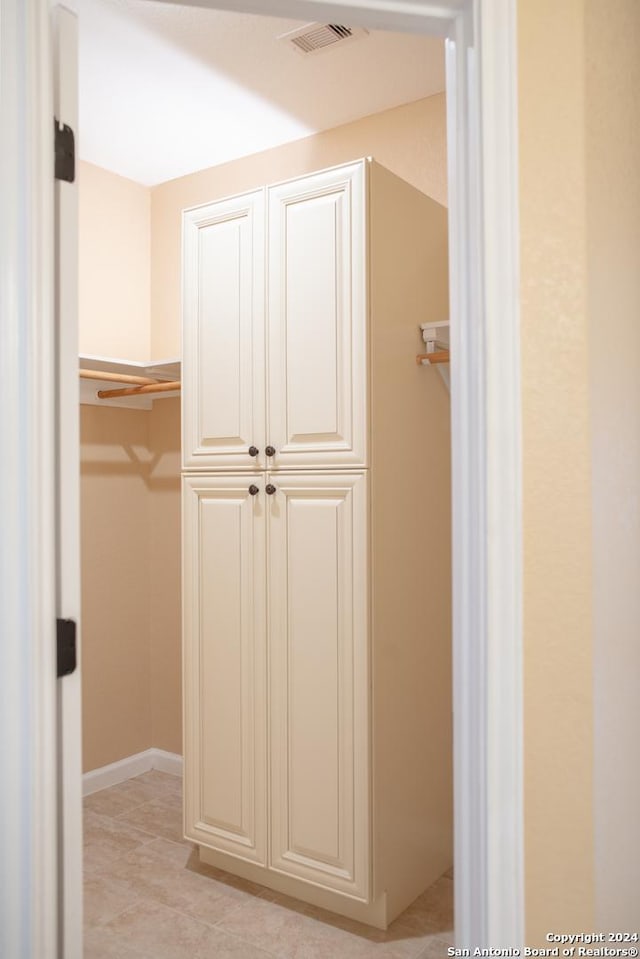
<point x="436" y="333"/>
<point x="166" y="370"/>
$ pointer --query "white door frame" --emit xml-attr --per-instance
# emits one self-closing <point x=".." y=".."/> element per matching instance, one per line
<point x="28" y="748"/>
<point x="65" y="102"/>
<point x="487" y="574"/>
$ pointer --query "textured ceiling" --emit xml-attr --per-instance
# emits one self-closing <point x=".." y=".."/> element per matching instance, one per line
<point x="166" y="90"/>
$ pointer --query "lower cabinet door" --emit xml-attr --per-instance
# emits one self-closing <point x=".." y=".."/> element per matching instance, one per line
<point x="319" y="679"/>
<point x="225" y="664"/>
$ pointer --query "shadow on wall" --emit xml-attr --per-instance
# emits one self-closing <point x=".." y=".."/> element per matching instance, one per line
<point x="134" y="443"/>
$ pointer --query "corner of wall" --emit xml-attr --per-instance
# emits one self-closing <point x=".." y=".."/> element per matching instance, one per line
<point x="165" y="611"/>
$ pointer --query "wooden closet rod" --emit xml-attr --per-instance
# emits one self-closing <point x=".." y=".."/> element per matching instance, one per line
<point x="441" y="356"/>
<point x="116" y="377"/>
<point x="140" y="390"/>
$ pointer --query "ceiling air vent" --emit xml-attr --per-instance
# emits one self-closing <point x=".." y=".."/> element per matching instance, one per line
<point x="316" y="37"/>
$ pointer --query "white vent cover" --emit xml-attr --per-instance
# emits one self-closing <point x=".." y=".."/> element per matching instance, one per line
<point x="316" y="37"/>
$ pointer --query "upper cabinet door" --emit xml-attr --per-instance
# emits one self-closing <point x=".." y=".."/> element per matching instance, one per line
<point x="317" y="320"/>
<point x="223" y="334"/>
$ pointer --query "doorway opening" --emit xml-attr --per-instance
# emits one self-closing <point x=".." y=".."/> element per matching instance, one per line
<point x="289" y="113"/>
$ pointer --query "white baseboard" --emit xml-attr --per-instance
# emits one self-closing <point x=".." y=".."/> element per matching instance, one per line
<point x="130" y="766"/>
<point x="167" y="762"/>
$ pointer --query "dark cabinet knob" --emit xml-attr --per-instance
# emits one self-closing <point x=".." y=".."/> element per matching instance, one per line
<point x="270" y="489"/>
<point x="270" y="450"/>
<point x="253" y="451"/>
<point x="254" y="490"/>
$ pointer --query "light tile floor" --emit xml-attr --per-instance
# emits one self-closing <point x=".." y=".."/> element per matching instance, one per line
<point x="147" y="896"/>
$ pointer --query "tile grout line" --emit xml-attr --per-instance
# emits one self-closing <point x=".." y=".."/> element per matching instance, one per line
<point x="110" y="815"/>
<point x="119" y="817"/>
<point x="131" y="826"/>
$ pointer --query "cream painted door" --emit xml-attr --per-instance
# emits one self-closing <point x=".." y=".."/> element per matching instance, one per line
<point x="317" y="303"/>
<point x="319" y="679"/>
<point x="224" y="663"/>
<point x="223" y="334"/>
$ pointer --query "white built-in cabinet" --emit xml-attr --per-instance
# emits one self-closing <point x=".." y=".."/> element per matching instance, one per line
<point x="281" y="364"/>
<point x="316" y="533"/>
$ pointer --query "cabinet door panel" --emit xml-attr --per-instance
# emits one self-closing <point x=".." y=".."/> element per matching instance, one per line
<point x="224" y="665"/>
<point x="317" y="320"/>
<point x="318" y="646"/>
<point x="223" y="334"/>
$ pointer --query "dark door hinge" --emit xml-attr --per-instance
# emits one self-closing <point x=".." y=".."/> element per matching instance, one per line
<point x="65" y="152"/>
<point x="67" y="654"/>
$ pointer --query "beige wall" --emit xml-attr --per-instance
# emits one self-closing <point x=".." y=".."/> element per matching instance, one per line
<point x="130" y="523"/>
<point x="114" y="265"/>
<point x="115" y="514"/>
<point x="130" y="495"/>
<point x="409" y="140"/>
<point x="613" y="257"/>
<point x="556" y="469"/>
<point x="580" y="233"/>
